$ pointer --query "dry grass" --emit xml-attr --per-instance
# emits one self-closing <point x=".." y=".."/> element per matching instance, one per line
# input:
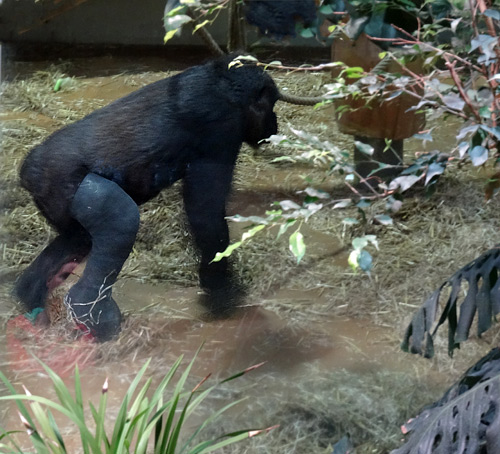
<point x="430" y="239"/>
<point x="326" y="407"/>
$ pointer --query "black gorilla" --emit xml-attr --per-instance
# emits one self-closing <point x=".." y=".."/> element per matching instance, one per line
<point x="89" y="177"/>
<point x="277" y="18"/>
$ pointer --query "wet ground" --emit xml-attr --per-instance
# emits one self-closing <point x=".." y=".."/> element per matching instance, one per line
<point x="332" y="362"/>
<point x="164" y="323"/>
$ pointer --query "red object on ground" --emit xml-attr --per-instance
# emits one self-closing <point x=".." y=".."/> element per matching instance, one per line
<point x="26" y="342"/>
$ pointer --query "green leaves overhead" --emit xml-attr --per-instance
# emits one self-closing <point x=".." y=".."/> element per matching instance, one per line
<point x="174" y="20"/>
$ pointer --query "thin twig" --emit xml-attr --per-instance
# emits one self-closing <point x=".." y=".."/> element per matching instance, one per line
<point x="460" y="88"/>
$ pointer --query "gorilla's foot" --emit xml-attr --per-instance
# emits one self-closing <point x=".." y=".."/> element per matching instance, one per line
<point x="222" y="302"/>
<point x="100" y="316"/>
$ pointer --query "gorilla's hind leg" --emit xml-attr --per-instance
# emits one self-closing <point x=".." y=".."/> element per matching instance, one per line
<point x="111" y="218"/>
<point x="32" y="286"/>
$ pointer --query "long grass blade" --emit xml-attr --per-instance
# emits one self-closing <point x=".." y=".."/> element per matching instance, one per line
<point x="46" y="427"/>
<point x="137" y="417"/>
<point x="59" y="408"/>
<point x="20" y="405"/>
<point x="157" y="398"/>
<point x="74" y="405"/>
<point x="122" y="413"/>
<point x="174" y="434"/>
<point x="231" y="438"/>
<point x="99" y="416"/>
<point x="12" y="443"/>
<point x="78" y="407"/>
<point x="133" y="417"/>
<point x="209" y="446"/>
<point x="153" y="424"/>
<point x="62" y="391"/>
<point x="243" y="372"/>
<point x="59" y="439"/>
<point x="207" y="421"/>
<point x="168" y="427"/>
<point x="140" y="425"/>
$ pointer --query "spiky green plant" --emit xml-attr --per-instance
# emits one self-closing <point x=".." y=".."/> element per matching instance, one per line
<point x="142" y="422"/>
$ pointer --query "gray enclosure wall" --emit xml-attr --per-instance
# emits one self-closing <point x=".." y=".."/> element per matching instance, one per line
<point x="138" y="22"/>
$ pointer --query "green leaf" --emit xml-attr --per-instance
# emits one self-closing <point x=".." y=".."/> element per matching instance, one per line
<point x="363" y="203"/>
<point x="326" y="9"/>
<point x="425" y="136"/>
<point x="307" y="33"/>
<point x="202" y="24"/>
<point x="485" y="112"/>
<point x="230" y="249"/>
<point x="364" y="147"/>
<point x="365" y="261"/>
<point x="343" y="203"/>
<point x="404" y="183"/>
<point x="181" y="9"/>
<point x="173" y="24"/>
<point x="317" y="193"/>
<point x="453" y="102"/>
<point x="433" y="170"/>
<point x="250" y="233"/>
<point x="284" y="227"/>
<point x="493" y="131"/>
<point x="354" y="72"/>
<point x="169" y="35"/>
<point x="478" y="155"/>
<point x="237" y="62"/>
<point x="383" y="219"/>
<point x="372" y="239"/>
<point x="359" y="243"/>
<point x="58" y="84"/>
<point x="253" y="219"/>
<point x="353" y="259"/>
<point x="289" y="205"/>
<point x="462" y="148"/>
<point x="297" y="245"/>
<point x="227" y="252"/>
<point x="244" y="57"/>
<point x="493" y="13"/>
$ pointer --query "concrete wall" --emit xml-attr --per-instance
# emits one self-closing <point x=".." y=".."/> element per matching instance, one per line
<point x="137" y="22"/>
<point x="84" y="21"/>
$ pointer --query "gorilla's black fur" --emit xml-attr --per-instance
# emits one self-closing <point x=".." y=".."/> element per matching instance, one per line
<point x="89" y="177"/>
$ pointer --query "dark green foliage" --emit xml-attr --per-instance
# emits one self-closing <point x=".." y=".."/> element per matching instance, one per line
<point x="466" y="419"/>
<point x="483" y="298"/>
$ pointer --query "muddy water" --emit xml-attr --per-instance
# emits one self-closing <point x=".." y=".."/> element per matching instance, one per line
<point x="164" y="323"/>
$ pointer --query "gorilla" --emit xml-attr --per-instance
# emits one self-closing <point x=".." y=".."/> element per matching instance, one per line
<point x="89" y="178"/>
